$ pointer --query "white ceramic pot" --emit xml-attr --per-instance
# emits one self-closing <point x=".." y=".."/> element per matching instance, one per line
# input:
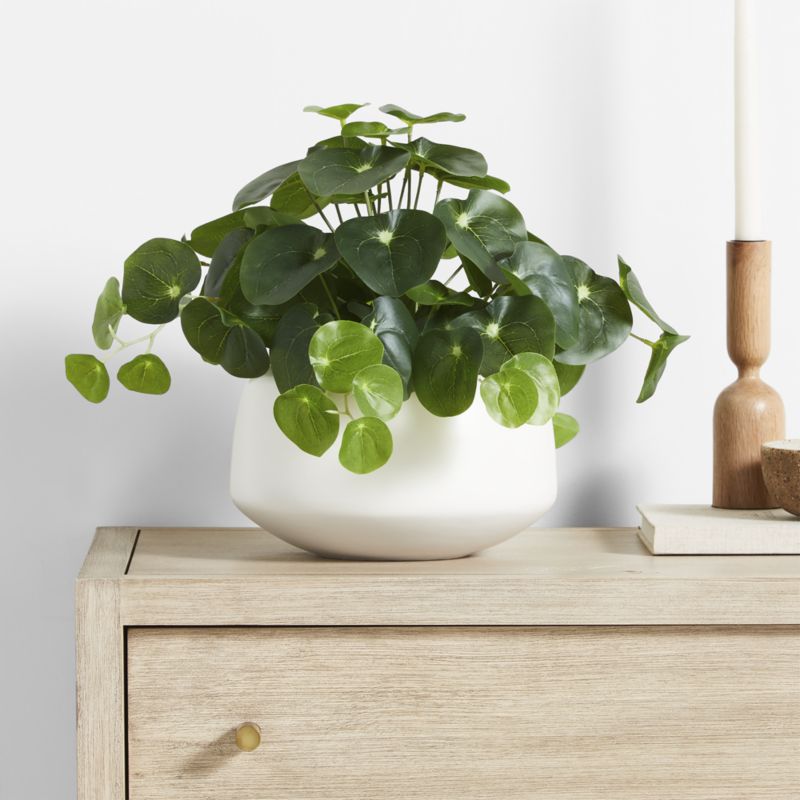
<point x="452" y="487"/>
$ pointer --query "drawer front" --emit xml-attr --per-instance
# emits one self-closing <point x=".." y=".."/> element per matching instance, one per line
<point x="464" y="713"/>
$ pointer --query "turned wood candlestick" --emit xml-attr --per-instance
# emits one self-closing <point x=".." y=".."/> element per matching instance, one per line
<point x="748" y="412"/>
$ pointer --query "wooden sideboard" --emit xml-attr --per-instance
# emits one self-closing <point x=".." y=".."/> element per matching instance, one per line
<point x="566" y="663"/>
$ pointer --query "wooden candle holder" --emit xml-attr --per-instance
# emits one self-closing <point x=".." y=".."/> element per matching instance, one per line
<point x="748" y="412"/>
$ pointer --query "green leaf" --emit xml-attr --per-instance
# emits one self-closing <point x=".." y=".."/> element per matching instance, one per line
<point x="348" y="171"/>
<point x="479" y="283"/>
<point x="604" y="320"/>
<point x="339" y="350"/>
<point x="290" y="362"/>
<point x="264" y="185"/>
<point x="340" y="112"/>
<point x="378" y="391"/>
<point x="511" y="325"/>
<point x="292" y="197"/>
<point x="446" y="364"/>
<point x="661" y="350"/>
<point x="88" y="375"/>
<point x="393" y="324"/>
<point x="489" y="182"/>
<point x="375" y="130"/>
<point x="146" y="373"/>
<point x="307" y="417"/>
<point x="337" y="141"/>
<point x="156" y="276"/>
<point x="483" y="228"/>
<point x="543" y="374"/>
<point x="568" y="375"/>
<point x="107" y="314"/>
<point x="224" y="257"/>
<point x="392" y="252"/>
<point x="222" y="338"/>
<point x="565" y="428"/>
<point x="634" y="292"/>
<point x="509" y="397"/>
<point x="366" y="445"/>
<point x="415" y="119"/>
<point x="537" y="269"/>
<point x="446" y="158"/>
<point x="435" y="293"/>
<point x="206" y="238"/>
<point x="280" y="262"/>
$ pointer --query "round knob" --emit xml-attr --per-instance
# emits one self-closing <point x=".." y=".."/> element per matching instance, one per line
<point x="248" y="736"/>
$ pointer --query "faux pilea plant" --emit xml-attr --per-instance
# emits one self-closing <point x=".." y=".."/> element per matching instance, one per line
<point x="355" y="296"/>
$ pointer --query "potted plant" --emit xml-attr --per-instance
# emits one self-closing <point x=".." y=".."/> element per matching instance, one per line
<point x="369" y="306"/>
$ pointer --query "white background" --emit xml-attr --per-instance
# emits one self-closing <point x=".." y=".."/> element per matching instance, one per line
<point x="128" y="120"/>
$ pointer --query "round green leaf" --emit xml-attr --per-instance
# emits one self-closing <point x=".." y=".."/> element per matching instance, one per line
<point x="415" y="119"/>
<point x="307" y="417"/>
<point x="290" y="362"/>
<point x="565" y="428"/>
<point x="447" y="158"/>
<point x="366" y="445"/>
<point x="337" y="141"/>
<point x="392" y="252"/>
<point x="568" y="375"/>
<point x="369" y="129"/>
<point x="446" y="364"/>
<point x="157" y="275"/>
<point x="509" y="397"/>
<point x="292" y="197"/>
<point x="542" y="372"/>
<point x="535" y="268"/>
<point x="393" y="324"/>
<point x="222" y="338"/>
<point x="88" y="375"/>
<point x="483" y="228"/>
<point x="146" y="373"/>
<point x="435" y="293"/>
<point x="339" y="350"/>
<point x="280" y="262"/>
<point x="604" y="320"/>
<point x="634" y="292"/>
<point x="224" y="257"/>
<point x="511" y="325"/>
<point x="341" y="170"/>
<point x="661" y="350"/>
<point x="264" y="185"/>
<point x="340" y="112"/>
<point x="206" y="238"/>
<point x="378" y="390"/>
<point x="107" y="314"/>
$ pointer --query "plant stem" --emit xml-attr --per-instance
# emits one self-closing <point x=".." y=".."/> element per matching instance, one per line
<point x="149" y="338"/>
<point x="438" y="191"/>
<point x="347" y="411"/>
<point x="389" y="194"/>
<point x="338" y="213"/>
<point x="319" y="210"/>
<point x="358" y="210"/>
<point x="644" y="341"/>
<point x="419" y="185"/>
<point x="447" y="282"/>
<point x="378" y="199"/>
<point x="330" y="296"/>
<point x="403" y="188"/>
<point x="369" y="204"/>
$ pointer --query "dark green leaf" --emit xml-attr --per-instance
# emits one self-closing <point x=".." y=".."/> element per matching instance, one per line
<point x="435" y="293"/>
<point x="565" y="428"/>
<point x="290" y="363"/>
<point x="415" y="119"/>
<point x="280" y="262"/>
<point x="446" y="364"/>
<point x="307" y="417"/>
<point x="605" y="316"/>
<point x="206" y="238"/>
<point x="146" y="373"/>
<point x="392" y="252"/>
<point x="633" y="291"/>
<point x="292" y="197"/>
<point x="223" y="339"/>
<point x="349" y="171"/>
<point x="339" y="350"/>
<point x="337" y="141"/>
<point x="264" y="185"/>
<point x="477" y="280"/>
<point x="661" y="350"/>
<point x="393" y="324"/>
<point x="509" y="396"/>
<point x="156" y="276"/>
<point x="88" y="375"/>
<point x="543" y="374"/>
<point x="489" y="182"/>
<point x="378" y="391"/>
<point x="107" y="314"/>
<point x="224" y="257"/>
<point x="366" y="445"/>
<point x="340" y="112"/>
<point x="483" y="228"/>
<point x="568" y="375"/>
<point x="446" y="158"/>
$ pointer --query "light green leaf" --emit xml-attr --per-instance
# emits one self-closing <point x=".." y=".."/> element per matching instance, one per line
<point x="290" y="363"/>
<point x="366" y="445"/>
<point x="156" y="276"/>
<point x="661" y="350"/>
<point x="392" y="252"/>
<point x="435" y="293"/>
<point x="446" y="364"/>
<point x="565" y="428"/>
<point x="568" y="375"/>
<point x="88" y="375"/>
<point x="263" y="186"/>
<point x="340" y="112"/>
<point x="339" y="350"/>
<point x="378" y="391"/>
<point x="146" y="373"/>
<point x="484" y="227"/>
<point x="393" y="324"/>
<point x="509" y="397"/>
<point x="634" y="292"/>
<point x="445" y="158"/>
<point x="543" y="374"/>
<point x="415" y="119"/>
<point x="376" y="130"/>
<point x="107" y="314"/>
<point x="280" y="262"/>
<point x="337" y="141"/>
<point x="307" y="417"/>
<point x="349" y="171"/>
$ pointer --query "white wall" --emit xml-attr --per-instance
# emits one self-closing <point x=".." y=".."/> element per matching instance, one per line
<point x="127" y="120"/>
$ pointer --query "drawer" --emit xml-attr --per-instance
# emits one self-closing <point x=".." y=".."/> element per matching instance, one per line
<point x="461" y="713"/>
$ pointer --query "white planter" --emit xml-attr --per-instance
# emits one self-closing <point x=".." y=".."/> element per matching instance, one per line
<point x="452" y="487"/>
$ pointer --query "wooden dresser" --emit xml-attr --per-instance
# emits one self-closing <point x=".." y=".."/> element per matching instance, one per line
<point x="566" y="663"/>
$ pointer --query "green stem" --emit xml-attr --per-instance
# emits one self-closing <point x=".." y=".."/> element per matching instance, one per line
<point x="378" y="199"/>
<point x="403" y="188"/>
<point x="358" y="210"/>
<point x="389" y="194"/>
<point x="338" y="213"/>
<point x="319" y="210"/>
<point x="149" y="338"/>
<point x="330" y="296"/>
<point x="419" y="185"/>
<point x="347" y="411"/>
<point x="644" y="341"/>
<point x="447" y="282"/>
<point x="438" y="191"/>
<point x="369" y="204"/>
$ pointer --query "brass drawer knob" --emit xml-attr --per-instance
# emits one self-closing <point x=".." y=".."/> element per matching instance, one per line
<point x="248" y="736"/>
